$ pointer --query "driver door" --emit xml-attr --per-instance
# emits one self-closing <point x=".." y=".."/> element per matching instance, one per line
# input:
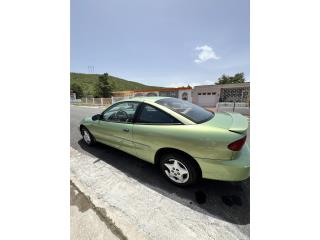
<point x="115" y="126"/>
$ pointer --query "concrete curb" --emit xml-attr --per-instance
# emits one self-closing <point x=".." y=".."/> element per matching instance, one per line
<point x="140" y="212"/>
<point x="102" y="216"/>
<point x="106" y="209"/>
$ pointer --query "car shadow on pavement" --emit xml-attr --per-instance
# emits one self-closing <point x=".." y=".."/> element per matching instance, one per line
<point x="229" y="201"/>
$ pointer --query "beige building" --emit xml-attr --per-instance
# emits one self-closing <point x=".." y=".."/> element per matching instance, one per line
<point x="122" y="93"/>
<point x="203" y="95"/>
<point x="183" y="93"/>
<point x="210" y="95"/>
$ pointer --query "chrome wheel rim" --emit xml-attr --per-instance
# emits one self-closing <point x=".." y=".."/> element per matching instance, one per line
<point x="86" y="137"/>
<point x="176" y="171"/>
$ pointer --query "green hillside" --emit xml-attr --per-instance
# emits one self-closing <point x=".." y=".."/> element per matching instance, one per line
<point x="87" y="82"/>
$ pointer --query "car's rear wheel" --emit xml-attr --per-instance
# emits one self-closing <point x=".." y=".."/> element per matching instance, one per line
<point x="178" y="169"/>
<point x="87" y="136"/>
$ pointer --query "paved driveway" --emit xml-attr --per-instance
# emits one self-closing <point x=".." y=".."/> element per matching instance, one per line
<point x="223" y="200"/>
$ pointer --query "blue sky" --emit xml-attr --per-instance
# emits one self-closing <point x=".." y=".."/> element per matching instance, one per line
<point x="164" y="43"/>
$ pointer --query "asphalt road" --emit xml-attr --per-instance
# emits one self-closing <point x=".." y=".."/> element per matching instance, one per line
<point x="228" y="201"/>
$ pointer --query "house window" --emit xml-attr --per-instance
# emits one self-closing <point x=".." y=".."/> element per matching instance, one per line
<point x="204" y="93"/>
<point x="209" y="93"/>
<point x="214" y="93"/>
<point x="199" y="93"/>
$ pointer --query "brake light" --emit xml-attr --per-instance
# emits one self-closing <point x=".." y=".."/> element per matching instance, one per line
<point x="237" y="145"/>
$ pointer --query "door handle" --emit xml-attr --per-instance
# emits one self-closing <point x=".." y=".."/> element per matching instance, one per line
<point x="125" y="130"/>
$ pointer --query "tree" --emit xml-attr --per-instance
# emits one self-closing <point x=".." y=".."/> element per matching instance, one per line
<point x="225" y="79"/>
<point x="103" y="87"/>
<point x="77" y="89"/>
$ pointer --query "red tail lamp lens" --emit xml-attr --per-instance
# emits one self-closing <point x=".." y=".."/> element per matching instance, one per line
<point x="237" y="145"/>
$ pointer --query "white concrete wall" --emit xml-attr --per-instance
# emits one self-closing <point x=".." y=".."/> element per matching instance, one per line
<point x="242" y="108"/>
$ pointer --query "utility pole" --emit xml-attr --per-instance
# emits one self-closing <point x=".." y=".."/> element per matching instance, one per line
<point x="90" y="69"/>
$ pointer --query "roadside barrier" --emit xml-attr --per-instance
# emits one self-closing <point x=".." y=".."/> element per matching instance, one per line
<point x="239" y="107"/>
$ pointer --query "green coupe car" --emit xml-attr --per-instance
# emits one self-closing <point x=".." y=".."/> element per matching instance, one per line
<point x="186" y="141"/>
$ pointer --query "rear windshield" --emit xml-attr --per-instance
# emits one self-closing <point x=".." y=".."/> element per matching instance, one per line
<point x="191" y="111"/>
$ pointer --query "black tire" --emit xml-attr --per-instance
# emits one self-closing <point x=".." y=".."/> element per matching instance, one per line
<point x="184" y="162"/>
<point x="91" y="141"/>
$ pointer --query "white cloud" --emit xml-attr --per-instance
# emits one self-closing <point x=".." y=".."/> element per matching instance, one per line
<point x="206" y="53"/>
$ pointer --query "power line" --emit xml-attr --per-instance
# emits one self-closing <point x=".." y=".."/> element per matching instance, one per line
<point x="90" y="69"/>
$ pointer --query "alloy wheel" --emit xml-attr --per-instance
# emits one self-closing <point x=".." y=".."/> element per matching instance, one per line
<point x="176" y="171"/>
<point x="86" y="136"/>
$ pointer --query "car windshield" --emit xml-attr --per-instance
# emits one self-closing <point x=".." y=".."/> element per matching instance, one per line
<point x="191" y="111"/>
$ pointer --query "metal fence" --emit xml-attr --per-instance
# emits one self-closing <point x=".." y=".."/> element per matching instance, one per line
<point x="98" y="101"/>
<point x="75" y="100"/>
<point x="90" y="101"/>
<point x="117" y="99"/>
<point x="239" y="107"/>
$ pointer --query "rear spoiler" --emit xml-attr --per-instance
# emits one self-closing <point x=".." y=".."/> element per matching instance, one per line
<point x="239" y="123"/>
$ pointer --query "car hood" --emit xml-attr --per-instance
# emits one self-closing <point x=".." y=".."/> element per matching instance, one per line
<point x="234" y="122"/>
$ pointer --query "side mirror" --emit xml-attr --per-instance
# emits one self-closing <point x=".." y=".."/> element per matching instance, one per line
<point x="96" y="117"/>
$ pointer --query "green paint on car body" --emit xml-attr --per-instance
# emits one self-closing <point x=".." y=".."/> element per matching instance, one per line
<point x="207" y="142"/>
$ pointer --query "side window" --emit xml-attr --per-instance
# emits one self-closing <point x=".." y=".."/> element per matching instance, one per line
<point x="122" y="112"/>
<point x="151" y="114"/>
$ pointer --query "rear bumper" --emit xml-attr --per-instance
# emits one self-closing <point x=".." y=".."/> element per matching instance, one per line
<point x="227" y="170"/>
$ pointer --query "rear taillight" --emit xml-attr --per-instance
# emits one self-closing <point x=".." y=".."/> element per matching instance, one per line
<point x="237" y="145"/>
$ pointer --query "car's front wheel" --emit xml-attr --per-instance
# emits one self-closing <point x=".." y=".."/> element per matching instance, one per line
<point x="87" y="136"/>
<point x="178" y="169"/>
